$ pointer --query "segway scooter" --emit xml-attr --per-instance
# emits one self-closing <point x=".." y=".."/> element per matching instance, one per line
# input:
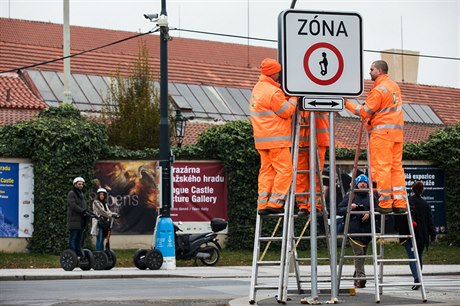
<point x="152" y="259"/>
<point x="69" y="259"/>
<point x="106" y="259"/>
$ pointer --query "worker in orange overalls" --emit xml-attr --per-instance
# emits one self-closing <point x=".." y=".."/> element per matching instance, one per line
<point x="322" y="139"/>
<point x="383" y="109"/>
<point x="271" y="117"/>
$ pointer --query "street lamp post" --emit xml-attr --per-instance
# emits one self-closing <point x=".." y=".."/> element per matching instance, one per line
<point x="164" y="238"/>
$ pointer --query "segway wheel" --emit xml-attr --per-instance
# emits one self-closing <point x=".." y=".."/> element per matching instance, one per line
<point x="88" y="263"/>
<point x="69" y="260"/>
<point x="112" y="259"/>
<point x="100" y="260"/>
<point x="139" y="259"/>
<point x="154" y="259"/>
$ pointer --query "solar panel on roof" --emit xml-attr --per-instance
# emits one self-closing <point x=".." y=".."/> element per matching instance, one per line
<point x="422" y="114"/>
<point x="407" y="117"/>
<point x="415" y="118"/>
<point x="209" y="107"/>
<point x="42" y="86"/>
<point x="230" y="102"/>
<point x="54" y="84"/>
<point x="239" y="97"/>
<point x="185" y="92"/>
<point x="431" y="114"/>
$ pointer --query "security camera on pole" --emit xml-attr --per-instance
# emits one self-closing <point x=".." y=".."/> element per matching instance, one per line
<point x="164" y="239"/>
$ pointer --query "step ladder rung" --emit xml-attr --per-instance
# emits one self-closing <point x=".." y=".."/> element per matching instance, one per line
<point x="270" y="239"/>
<point x="357" y="256"/>
<point x="268" y="262"/>
<point x="265" y="287"/>
<point x="395" y="260"/>
<point x="392" y="236"/>
<point x="309" y="259"/>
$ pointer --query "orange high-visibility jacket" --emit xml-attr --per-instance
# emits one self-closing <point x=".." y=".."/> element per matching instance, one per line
<point x="322" y="129"/>
<point x="271" y="114"/>
<point x="383" y="107"/>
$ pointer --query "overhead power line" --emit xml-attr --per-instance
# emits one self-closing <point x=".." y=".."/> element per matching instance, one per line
<point x="205" y="33"/>
<point x="274" y="40"/>
<point x="80" y="53"/>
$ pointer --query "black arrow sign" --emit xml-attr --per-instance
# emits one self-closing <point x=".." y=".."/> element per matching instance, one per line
<point x="314" y="103"/>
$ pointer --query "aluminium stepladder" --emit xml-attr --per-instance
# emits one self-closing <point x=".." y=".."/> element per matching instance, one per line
<point x="288" y="240"/>
<point x="377" y="236"/>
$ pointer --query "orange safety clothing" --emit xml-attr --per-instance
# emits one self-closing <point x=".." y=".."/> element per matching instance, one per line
<point x="271" y="114"/>
<point x="271" y="118"/>
<point x="322" y="139"/>
<point x="383" y="110"/>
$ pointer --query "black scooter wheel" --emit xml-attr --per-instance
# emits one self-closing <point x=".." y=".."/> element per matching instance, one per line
<point x="214" y="255"/>
<point x="112" y="259"/>
<point x="139" y="259"/>
<point x="154" y="259"/>
<point x="88" y="263"/>
<point x="69" y="260"/>
<point x="100" y="260"/>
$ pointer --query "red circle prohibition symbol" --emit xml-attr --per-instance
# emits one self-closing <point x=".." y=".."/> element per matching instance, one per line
<point x="307" y="67"/>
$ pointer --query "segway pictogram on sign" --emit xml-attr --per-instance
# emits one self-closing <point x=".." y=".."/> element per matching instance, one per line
<point x="321" y="53"/>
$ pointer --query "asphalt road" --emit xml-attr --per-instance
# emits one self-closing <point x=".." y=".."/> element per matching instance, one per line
<point x="441" y="290"/>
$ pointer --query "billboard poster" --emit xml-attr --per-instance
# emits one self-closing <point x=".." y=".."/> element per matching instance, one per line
<point x="200" y="191"/>
<point x="199" y="194"/>
<point x="16" y="199"/>
<point x="434" y="194"/>
<point x="133" y="188"/>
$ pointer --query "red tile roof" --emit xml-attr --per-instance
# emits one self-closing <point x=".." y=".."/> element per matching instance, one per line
<point x="15" y="94"/>
<point x="190" y="61"/>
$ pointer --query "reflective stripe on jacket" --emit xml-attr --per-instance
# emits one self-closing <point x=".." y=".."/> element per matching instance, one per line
<point x="383" y="107"/>
<point x="322" y="129"/>
<point x="271" y="114"/>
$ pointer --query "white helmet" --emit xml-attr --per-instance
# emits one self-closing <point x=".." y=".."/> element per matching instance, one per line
<point x="78" y="179"/>
<point x="101" y="190"/>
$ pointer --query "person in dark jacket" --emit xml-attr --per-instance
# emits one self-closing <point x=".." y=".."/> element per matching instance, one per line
<point x="76" y="215"/>
<point x="422" y="221"/>
<point x="359" y="223"/>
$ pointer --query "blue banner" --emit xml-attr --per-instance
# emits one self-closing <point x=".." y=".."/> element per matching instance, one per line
<point x="9" y="198"/>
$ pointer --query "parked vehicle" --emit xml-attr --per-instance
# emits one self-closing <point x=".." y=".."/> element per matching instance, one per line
<point x="204" y="247"/>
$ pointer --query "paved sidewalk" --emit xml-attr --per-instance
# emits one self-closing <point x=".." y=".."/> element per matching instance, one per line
<point x="204" y="272"/>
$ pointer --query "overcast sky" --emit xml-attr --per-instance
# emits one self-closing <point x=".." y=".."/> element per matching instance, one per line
<point x="430" y="27"/>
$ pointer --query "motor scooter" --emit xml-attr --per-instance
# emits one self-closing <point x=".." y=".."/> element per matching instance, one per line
<point x="204" y="247"/>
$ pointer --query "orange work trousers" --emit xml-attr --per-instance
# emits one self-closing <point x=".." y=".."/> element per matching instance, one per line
<point x="303" y="179"/>
<point x="387" y="172"/>
<point x="275" y="176"/>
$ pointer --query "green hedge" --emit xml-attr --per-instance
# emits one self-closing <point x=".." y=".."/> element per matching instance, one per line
<point x="61" y="144"/>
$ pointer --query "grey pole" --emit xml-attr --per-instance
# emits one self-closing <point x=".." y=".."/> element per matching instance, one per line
<point x="313" y="236"/>
<point x="67" y="93"/>
<point x="332" y="208"/>
<point x="165" y="152"/>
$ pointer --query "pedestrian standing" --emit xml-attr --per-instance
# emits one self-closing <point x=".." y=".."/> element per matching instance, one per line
<point x="422" y="222"/>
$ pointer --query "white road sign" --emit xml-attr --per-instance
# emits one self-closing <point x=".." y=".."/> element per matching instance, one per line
<point x="321" y="53"/>
<point x="322" y="104"/>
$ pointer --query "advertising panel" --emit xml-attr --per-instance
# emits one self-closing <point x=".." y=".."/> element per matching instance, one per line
<point x="16" y="199"/>
<point x="434" y="194"/>
<point x="199" y="194"/>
